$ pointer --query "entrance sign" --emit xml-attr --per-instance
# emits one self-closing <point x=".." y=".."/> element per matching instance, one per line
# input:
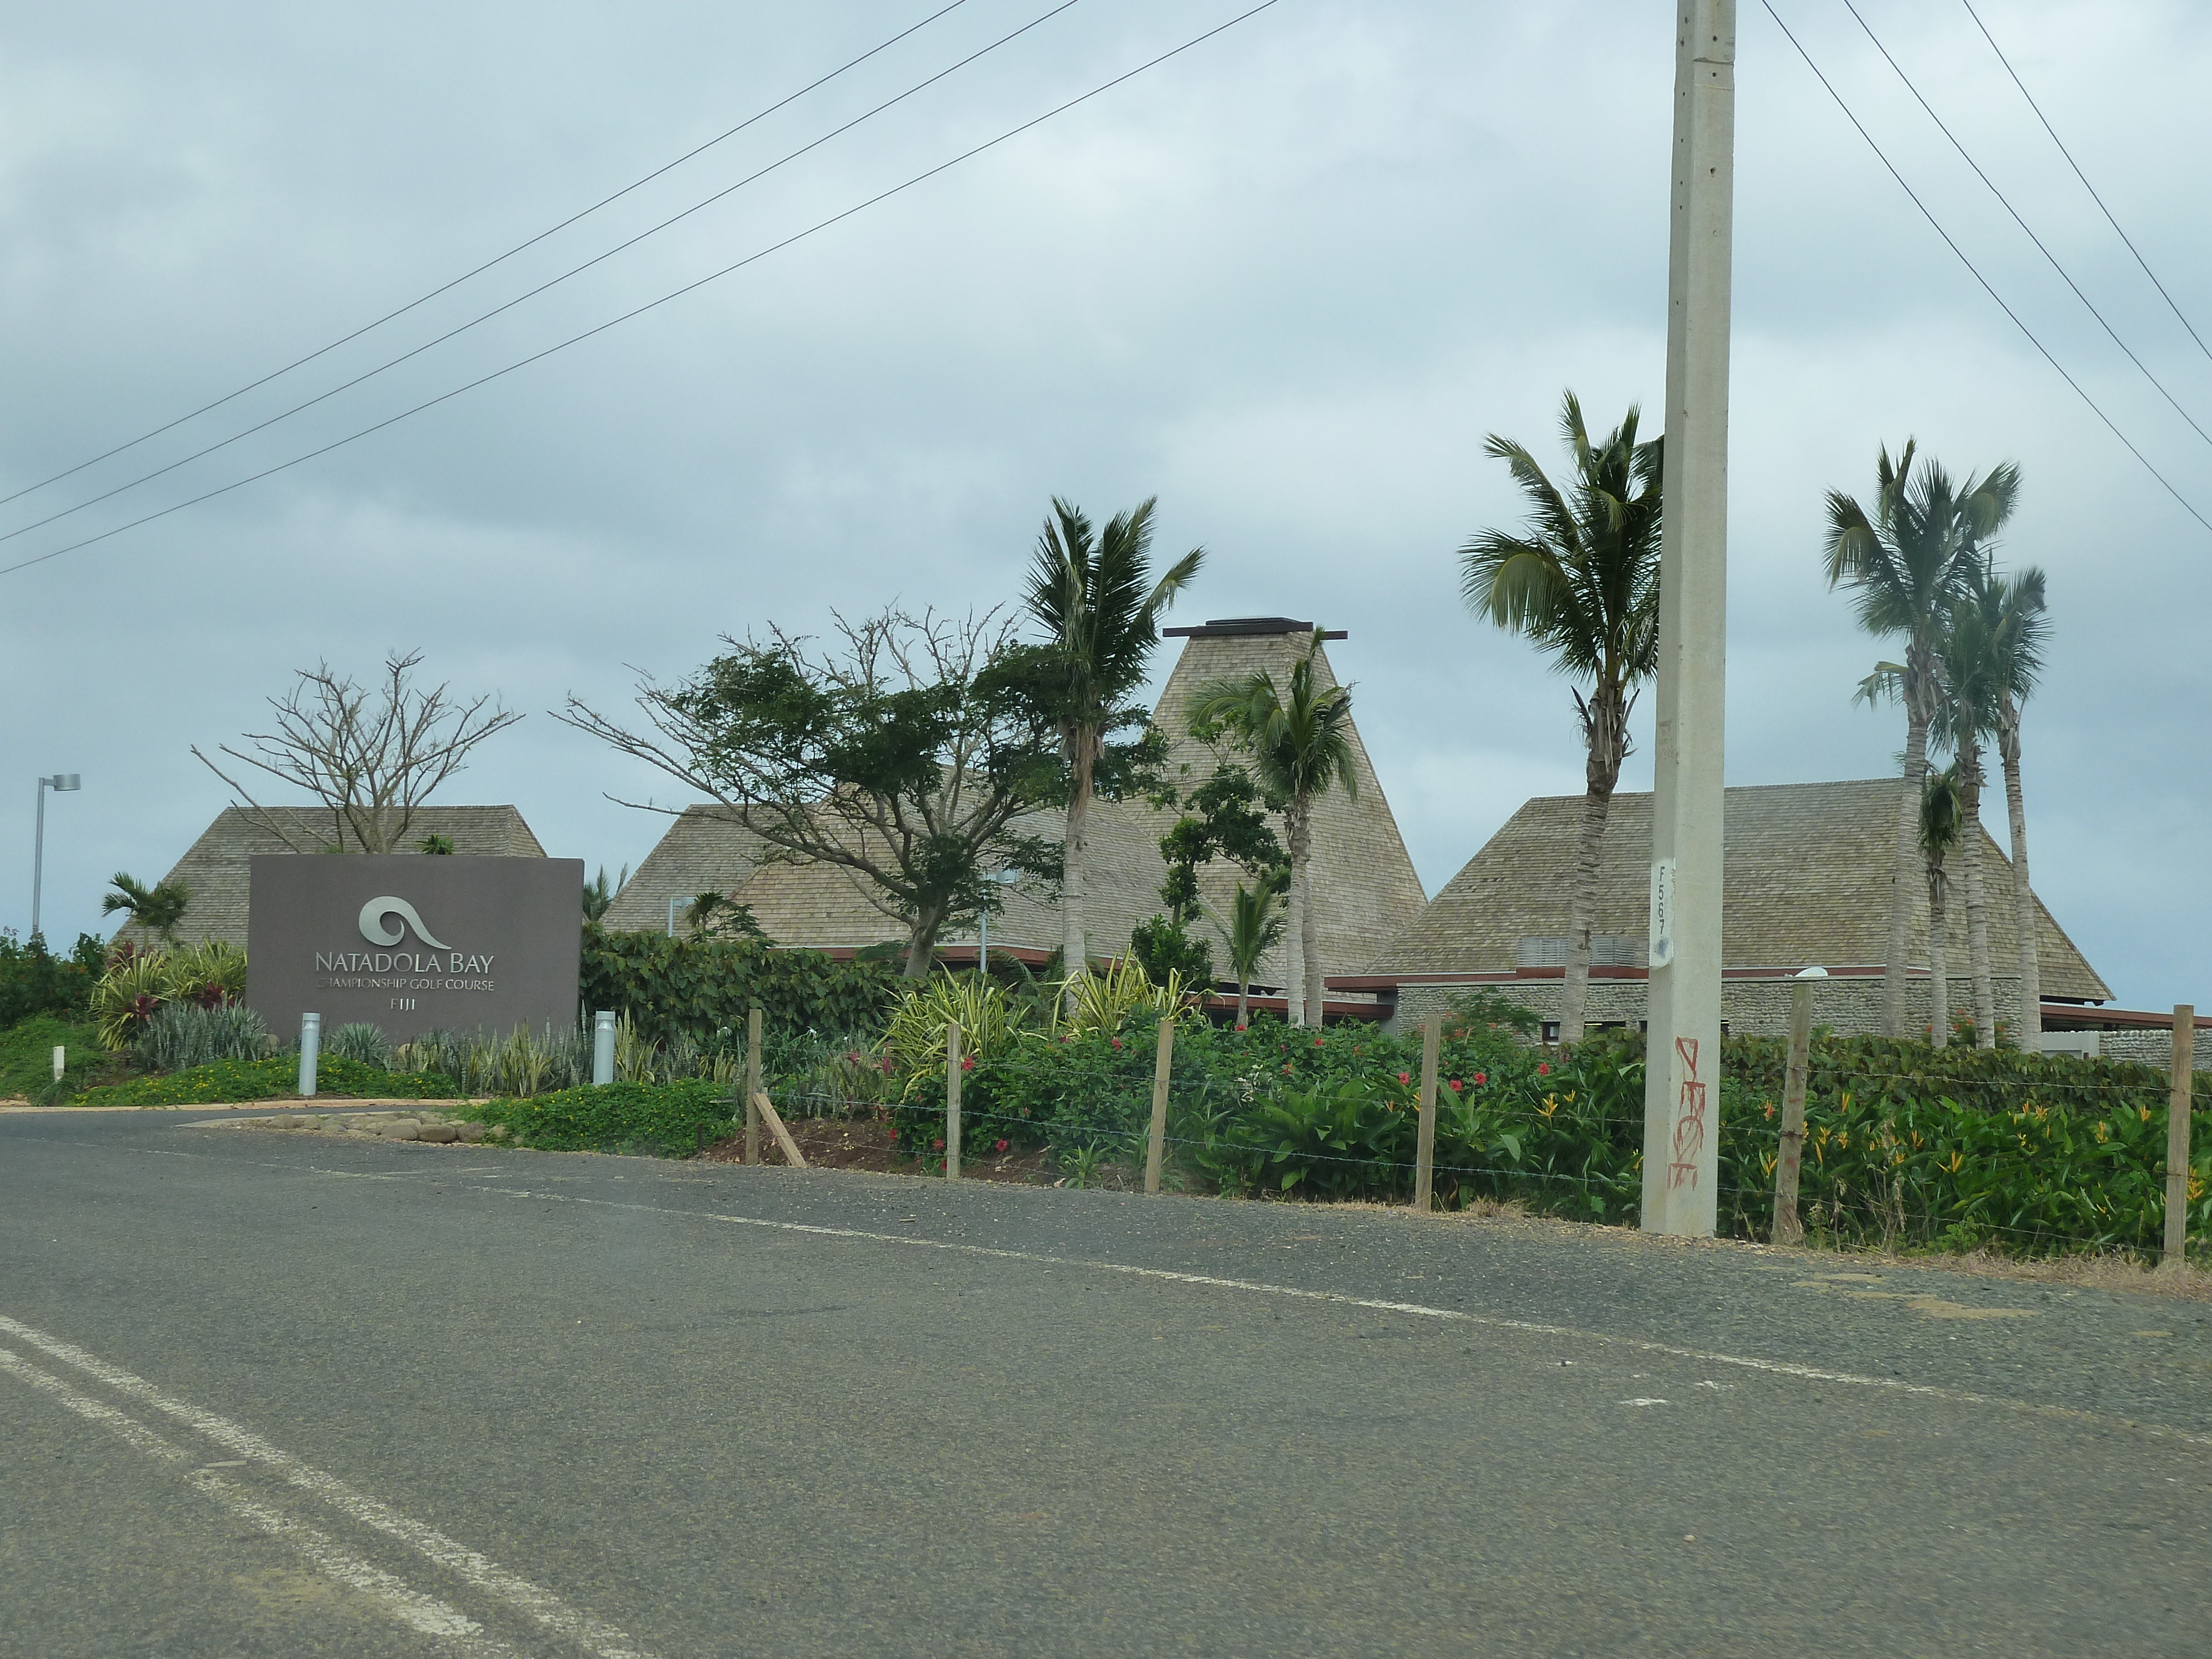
<point x="415" y="942"/>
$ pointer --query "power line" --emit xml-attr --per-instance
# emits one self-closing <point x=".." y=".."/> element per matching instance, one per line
<point x="2023" y="224"/>
<point x="532" y="294"/>
<point x="1768" y="6"/>
<point x="636" y="184"/>
<point x="715" y="276"/>
<point x="2084" y="177"/>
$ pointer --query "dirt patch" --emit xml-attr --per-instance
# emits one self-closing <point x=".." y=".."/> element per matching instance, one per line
<point x="862" y="1143"/>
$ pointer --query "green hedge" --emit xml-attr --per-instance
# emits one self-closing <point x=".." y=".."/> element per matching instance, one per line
<point x="34" y="981"/>
<point x="1950" y="1148"/>
<point x="232" y="1080"/>
<point x="669" y="1119"/>
<point x="696" y="988"/>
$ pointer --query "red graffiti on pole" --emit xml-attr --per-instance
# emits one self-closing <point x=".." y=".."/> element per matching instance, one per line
<point x="1689" y="1118"/>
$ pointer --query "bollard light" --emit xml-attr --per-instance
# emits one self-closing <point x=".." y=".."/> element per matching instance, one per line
<point x="311" y="1043"/>
<point x="603" y="1047"/>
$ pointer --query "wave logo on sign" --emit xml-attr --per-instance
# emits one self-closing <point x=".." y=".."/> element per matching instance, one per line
<point x="373" y="927"/>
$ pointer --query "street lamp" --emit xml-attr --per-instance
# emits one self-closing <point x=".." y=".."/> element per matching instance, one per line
<point x="61" y="781"/>
<point x="996" y="878"/>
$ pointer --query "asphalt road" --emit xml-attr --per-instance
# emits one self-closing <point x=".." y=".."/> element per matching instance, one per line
<point x="268" y="1394"/>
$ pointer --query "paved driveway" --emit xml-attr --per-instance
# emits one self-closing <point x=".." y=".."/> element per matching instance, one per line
<point x="277" y="1394"/>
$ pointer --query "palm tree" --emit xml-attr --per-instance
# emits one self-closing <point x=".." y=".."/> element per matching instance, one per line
<point x="2018" y="631"/>
<point x="1253" y="927"/>
<point x="1940" y="821"/>
<point x="1982" y="647"/>
<point x="599" y="895"/>
<point x="1301" y="746"/>
<point x="1092" y="596"/>
<point x="157" y="909"/>
<point x="1907" y="561"/>
<point x="1580" y="579"/>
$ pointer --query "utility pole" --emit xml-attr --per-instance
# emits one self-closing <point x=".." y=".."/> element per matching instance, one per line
<point x="1682" y="1076"/>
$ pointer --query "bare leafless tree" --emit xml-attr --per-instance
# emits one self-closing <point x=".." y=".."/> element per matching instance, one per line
<point x="371" y="756"/>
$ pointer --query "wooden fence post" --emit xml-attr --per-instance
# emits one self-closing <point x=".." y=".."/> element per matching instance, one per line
<point x="951" y="1102"/>
<point x="752" y="1085"/>
<point x="1425" y="1143"/>
<point x="1788" y="1230"/>
<point x="1156" y="1142"/>
<point x="2177" y="1135"/>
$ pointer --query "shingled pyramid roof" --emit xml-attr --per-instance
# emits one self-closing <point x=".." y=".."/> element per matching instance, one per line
<point x="1366" y="889"/>
<point x="1805" y="879"/>
<point x="216" y="867"/>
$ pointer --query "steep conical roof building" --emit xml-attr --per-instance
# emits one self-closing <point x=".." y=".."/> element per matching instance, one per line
<point x="1366" y="891"/>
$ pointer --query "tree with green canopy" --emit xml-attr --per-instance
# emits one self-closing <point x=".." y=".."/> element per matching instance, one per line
<point x="1093" y="594"/>
<point x="1580" y="581"/>
<point x="901" y="757"/>
<point x="1906" y="561"/>
<point x="1299" y="739"/>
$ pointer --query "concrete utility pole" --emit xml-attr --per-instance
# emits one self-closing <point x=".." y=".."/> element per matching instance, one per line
<point x="1682" y="1080"/>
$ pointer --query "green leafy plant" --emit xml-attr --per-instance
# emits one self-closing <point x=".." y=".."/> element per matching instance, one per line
<point x="914" y="1041"/>
<point x="183" y="1034"/>
<point x="702" y="986"/>
<point x="361" y="1040"/>
<point x="34" y="981"/>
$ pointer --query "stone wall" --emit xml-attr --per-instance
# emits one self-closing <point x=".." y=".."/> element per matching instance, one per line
<point x="1749" y="1007"/>
<point x="2153" y="1048"/>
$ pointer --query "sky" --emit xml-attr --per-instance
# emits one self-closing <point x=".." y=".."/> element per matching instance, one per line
<point x="1286" y="281"/>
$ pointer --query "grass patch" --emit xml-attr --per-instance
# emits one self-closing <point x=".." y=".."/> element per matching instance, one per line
<point x="27" y="1058"/>
<point x="667" y="1120"/>
<point x="232" y="1080"/>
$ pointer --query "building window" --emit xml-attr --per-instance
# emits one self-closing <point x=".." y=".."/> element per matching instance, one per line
<point x="1550" y="1030"/>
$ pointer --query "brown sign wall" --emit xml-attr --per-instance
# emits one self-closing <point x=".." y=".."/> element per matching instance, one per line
<point x="415" y="942"/>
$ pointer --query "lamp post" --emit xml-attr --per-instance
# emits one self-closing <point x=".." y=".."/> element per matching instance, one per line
<point x="60" y="782"/>
<point x="996" y="878"/>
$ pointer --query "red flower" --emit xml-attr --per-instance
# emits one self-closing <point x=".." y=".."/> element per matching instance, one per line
<point x="1481" y="1078"/>
<point x="1405" y="1077"/>
<point x="1316" y="1043"/>
<point x="938" y="1144"/>
<point x="1543" y="1068"/>
<point x="1117" y="1043"/>
<point x="1000" y="1147"/>
<point x="1456" y="1085"/>
<point x="1240" y="1028"/>
<point x="967" y="1062"/>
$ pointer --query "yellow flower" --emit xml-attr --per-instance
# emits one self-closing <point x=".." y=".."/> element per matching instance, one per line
<point x="2104" y="1133"/>
<point x="1953" y="1167"/>
<point x="2143" y="1112"/>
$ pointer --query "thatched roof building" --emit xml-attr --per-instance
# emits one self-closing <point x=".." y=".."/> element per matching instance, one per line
<point x="1806" y="881"/>
<point x="1365" y="890"/>
<point x="217" y="866"/>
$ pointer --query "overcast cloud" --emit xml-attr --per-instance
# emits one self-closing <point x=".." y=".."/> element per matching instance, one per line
<point x="1287" y="282"/>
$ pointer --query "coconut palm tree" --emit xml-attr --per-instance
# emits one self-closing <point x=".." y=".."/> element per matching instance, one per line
<point x="1093" y="596"/>
<point x="1252" y="928"/>
<point x="1941" y="820"/>
<point x="1580" y="579"/>
<point x="2018" y="630"/>
<point x="1982" y="646"/>
<point x="1300" y="741"/>
<point x="1906" y="563"/>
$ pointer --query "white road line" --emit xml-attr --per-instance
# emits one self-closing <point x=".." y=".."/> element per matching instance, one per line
<point x="595" y="1636"/>
<point x="1417" y="1310"/>
<point x="402" y="1601"/>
